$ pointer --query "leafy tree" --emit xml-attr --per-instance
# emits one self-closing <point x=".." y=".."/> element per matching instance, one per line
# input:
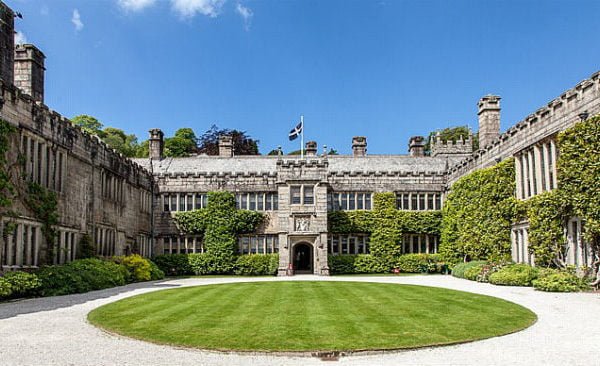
<point x="184" y="143"/>
<point x="89" y="124"/>
<point x="243" y="144"/>
<point x="452" y="134"/>
<point x="120" y="141"/>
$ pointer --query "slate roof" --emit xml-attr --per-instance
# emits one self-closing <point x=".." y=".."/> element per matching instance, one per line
<point x="268" y="164"/>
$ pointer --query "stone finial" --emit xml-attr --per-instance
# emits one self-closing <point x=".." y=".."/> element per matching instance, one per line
<point x="226" y="146"/>
<point x="156" y="144"/>
<point x="416" y="146"/>
<point x="29" y="70"/>
<point x="489" y="119"/>
<point x="311" y="148"/>
<point x="359" y="146"/>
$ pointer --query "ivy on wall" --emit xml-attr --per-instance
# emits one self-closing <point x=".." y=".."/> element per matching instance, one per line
<point x="219" y="223"/>
<point x="385" y="224"/>
<point x="6" y="186"/>
<point x="547" y="215"/>
<point x="44" y="204"/>
<point x="478" y="214"/>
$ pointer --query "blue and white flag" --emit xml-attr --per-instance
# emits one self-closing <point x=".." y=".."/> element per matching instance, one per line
<point x="296" y="131"/>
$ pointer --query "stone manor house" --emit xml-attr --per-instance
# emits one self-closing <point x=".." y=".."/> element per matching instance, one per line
<point x="126" y="205"/>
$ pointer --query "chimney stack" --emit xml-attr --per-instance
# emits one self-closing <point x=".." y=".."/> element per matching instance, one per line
<point x="489" y="119"/>
<point x="359" y="146"/>
<point x="226" y="146"/>
<point x="7" y="43"/>
<point x="29" y="70"/>
<point x="156" y="144"/>
<point x="416" y="146"/>
<point x="311" y="148"/>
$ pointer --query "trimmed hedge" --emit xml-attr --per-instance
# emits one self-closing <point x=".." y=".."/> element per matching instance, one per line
<point x="80" y="276"/>
<point x="174" y="264"/>
<point x="515" y="275"/>
<point x="256" y="265"/>
<point x="460" y="269"/>
<point x="560" y="281"/>
<point x="368" y="263"/>
<point x="420" y="263"/>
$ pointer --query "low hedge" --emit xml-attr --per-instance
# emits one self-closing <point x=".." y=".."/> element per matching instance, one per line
<point x="367" y="263"/>
<point x="139" y="268"/>
<point x="460" y="269"/>
<point x="21" y="283"/>
<point x="256" y="265"/>
<point x="5" y="288"/>
<point x="560" y="281"/>
<point x="174" y="264"/>
<point x="515" y="275"/>
<point x="420" y="263"/>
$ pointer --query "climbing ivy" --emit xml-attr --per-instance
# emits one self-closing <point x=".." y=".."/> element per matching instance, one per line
<point x="478" y="213"/>
<point x="6" y="186"/>
<point x="43" y="203"/>
<point x="385" y="224"/>
<point x="219" y="223"/>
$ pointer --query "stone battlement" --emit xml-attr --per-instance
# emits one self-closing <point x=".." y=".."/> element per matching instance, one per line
<point x="444" y="148"/>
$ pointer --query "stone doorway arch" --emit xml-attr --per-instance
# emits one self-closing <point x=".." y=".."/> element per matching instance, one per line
<point x="302" y="258"/>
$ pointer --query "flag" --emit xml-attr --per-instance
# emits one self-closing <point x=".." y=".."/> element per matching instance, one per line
<point x="296" y="131"/>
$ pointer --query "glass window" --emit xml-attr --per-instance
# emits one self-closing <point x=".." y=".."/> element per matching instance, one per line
<point x="352" y="245"/>
<point x="244" y="201"/>
<point x="360" y="203"/>
<point x="344" y="205"/>
<point x="335" y="245"/>
<point x="367" y="201"/>
<point x="413" y="201"/>
<point x="405" y="203"/>
<point x="198" y="203"/>
<point x="261" y="244"/>
<point x="351" y="201"/>
<point x="438" y="201"/>
<point x="422" y="201"/>
<point x="309" y="198"/>
<point x="430" y="200"/>
<point x="253" y="244"/>
<point x="173" y="199"/>
<point x="252" y="206"/>
<point x="275" y="244"/>
<point x="181" y="202"/>
<point x="260" y="201"/>
<point x="165" y="202"/>
<point x="344" y="241"/>
<point x="295" y="195"/>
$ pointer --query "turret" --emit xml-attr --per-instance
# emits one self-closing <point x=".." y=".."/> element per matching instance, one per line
<point x="29" y="71"/>
<point x="489" y="119"/>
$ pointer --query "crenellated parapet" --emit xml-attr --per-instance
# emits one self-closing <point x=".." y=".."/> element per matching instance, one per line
<point x="442" y="148"/>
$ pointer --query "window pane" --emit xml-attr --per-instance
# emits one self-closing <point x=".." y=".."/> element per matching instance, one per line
<point x="368" y="201"/>
<point x="430" y="201"/>
<point x="421" y="201"/>
<point x="344" y="245"/>
<point x="344" y="201"/>
<point x="244" y="204"/>
<point x="295" y="195"/>
<point x="166" y="202"/>
<point x="413" y="202"/>
<point x="198" y="204"/>
<point x="173" y="202"/>
<point x="438" y="201"/>
<point x="308" y="195"/>
<point x="260" y="201"/>
<point x="351" y="201"/>
<point x="252" y="201"/>
<point x="275" y="202"/>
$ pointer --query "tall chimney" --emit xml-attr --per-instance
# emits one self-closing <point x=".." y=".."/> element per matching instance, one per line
<point x="156" y="144"/>
<point x="416" y="146"/>
<point x="29" y="70"/>
<point x="489" y="119"/>
<point x="7" y="43"/>
<point x="226" y="146"/>
<point x="311" y="148"/>
<point x="359" y="146"/>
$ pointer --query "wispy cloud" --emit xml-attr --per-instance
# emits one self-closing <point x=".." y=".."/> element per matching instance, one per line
<point x="246" y="14"/>
<point x="76" y="20"/>
<point x="20" y="38"/>
<point x="135" y="5"/>
<point x="189" y="8"/>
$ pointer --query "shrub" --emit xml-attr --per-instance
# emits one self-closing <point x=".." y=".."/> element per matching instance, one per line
<point x="473" y="272"/>
<point x="138" y="267"/>
<point x="199" y="263"/>
<point x="560" y="281"/>
<point x="155" y="272"/>
<point x="80" y="276"/>
<point x="256" y="264"/>
<point x="174" y="264"/>
<point x="367" y="263"/>
<point x="341" y="264"/>
<point x="514" y="275"/>
<point x="419" y="263"/>
<point x="5" y="288"/>
<point x="22" y="283"/>
<point x="459" y="269"/>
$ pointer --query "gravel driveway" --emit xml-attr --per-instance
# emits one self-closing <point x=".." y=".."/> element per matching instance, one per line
<point x="54" y="331"/>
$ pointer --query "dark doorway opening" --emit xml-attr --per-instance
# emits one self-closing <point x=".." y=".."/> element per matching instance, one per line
<point x="303" y="258"/>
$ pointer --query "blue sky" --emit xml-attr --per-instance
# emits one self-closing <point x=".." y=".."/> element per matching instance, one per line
<point x="383" y="69"/>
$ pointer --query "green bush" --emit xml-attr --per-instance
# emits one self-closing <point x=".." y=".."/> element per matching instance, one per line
<point x="80" y="276"/>
<point x="138" y="267"/>
<point x="199" y="264"/>
<point x="560" y="281"/>
<point x="459" y="269"/>
<point x="514" y="275"/>
<point x="174" y="264"/>
<point x="22" y="283"/>
<point x="256" y="264"/>
<point x="473" y="272"/>
<point x="341" y="264"/>
<point x="155" y="272"/>
<point x="367" y="263"/>
<point x="419" y="263"/>
<point x="5" y="288"/>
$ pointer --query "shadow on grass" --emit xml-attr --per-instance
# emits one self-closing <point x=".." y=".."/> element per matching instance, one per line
<point x="33" y="305"/>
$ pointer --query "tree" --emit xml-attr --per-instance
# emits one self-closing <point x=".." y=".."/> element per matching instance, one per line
<point x="118" y="140"/>
<point x="184" y="143"/>
<point x="89" y="124"/>
<point x="452" y="134"/>
<point x="243" y="144"/>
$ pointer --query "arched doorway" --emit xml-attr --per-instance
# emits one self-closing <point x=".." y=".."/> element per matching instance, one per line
<point x="303" y="258"/>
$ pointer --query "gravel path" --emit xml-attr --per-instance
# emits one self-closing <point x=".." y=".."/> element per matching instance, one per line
<point x="54" y="331"/>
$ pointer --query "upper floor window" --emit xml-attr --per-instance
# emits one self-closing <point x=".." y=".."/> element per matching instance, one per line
<point x="44" y="164"/>
<point x="347" y="201"/>
<point x="420" y="201"/>
<point x="184" y="201"/>
<point x="536" y="169"/>
<point x="256" y="201"/>
<point x="302" y="194"/>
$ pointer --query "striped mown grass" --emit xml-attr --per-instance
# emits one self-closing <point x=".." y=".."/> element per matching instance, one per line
<point x="309" y="316"/>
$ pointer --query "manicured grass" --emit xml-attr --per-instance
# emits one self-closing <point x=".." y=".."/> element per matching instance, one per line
<point x="303" y="316"/>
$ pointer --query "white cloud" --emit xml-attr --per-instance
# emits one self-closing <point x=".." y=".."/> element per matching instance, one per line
<point x="135" y="5"/>
<point x="190" y="8"/>
<point x="246" y="14"/>
<point x="20" y="38"/>
<point x="76" y="20"/>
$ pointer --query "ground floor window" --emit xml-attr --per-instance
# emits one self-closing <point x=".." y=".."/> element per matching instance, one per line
<point x="348" y="244"/>
<point x="258" y="244"/>
<point x="182" y="244"/>
<point x="420" y="243"/>
<point x="106" y="241"/>
<point x="20" y="243"/>
<point x="520" y="245"/>
<point x="144" y="245"/>
<point x="66" y="246"/>
<point x="579" y="253"/>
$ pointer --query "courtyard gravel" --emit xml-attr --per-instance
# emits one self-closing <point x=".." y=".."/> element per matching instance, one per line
<point x="55" y="331"/>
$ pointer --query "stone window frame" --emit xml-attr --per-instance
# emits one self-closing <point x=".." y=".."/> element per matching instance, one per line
<point x="21" y="248"/>
<point x="183" y="244"/>
<point x="263" y="201"/>
<point x="105" y="240"/>
<point x="420" y="243"/>
<point x="341" y="244"/>
<point x="45" y="163"/>
<point x="419" y="200"/>
<point x="519" y="238"/>
<point x="66" y="245"/>
<point x="535" y="168"/>
<point x="258" y="244"/>
<point x="304" y="198"/>
<point x="350" y="200"/>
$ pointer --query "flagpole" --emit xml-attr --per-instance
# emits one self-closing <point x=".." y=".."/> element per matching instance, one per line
<point x="302" y="137"/>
